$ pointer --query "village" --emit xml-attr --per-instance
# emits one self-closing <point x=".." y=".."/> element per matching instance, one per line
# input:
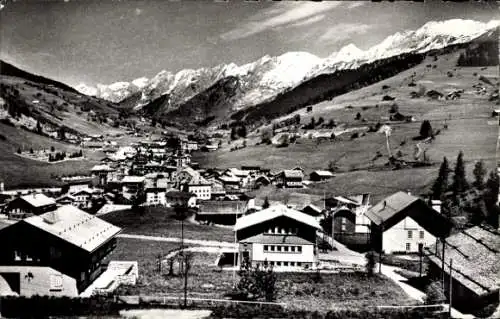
<point x="78" y="239"/>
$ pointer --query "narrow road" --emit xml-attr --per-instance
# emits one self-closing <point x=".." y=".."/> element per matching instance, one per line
<point x="208" y="243"/>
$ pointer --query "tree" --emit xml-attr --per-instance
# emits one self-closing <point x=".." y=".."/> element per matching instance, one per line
<point x="52" y="149"/>
<point x="39" y="129"/>
<point x="266" y="203"/>
<point x="479" y="174"/>
<point x="297" y="118"/>
<point x="31" y="151"/>
<point x="370" y="263"/>
<point x="61" y="133"/>
<point x="441" y="183"/>
<point x="242" y="131"/>
<point x="233" y="133"/>
<point x="19" y="151"/>
<point x="490" y="196"/>
<point x="255" y="283"/>
<point x="153" y="122"/>
<point x="459" y="181"/>
<point x="434" y="293"/>
<point x="425" y="129"/>
<point x="358" y="116"/>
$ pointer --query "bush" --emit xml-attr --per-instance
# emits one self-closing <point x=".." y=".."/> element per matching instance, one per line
<point x="394" y="108"/>
<point x="434" y="293"/>
<point x="354" y="135"/>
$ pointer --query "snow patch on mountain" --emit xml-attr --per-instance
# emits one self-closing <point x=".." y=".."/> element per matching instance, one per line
<point x="268" y="76"/>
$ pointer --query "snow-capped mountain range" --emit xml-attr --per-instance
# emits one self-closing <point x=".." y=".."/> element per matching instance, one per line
<point x="262" y="79"/>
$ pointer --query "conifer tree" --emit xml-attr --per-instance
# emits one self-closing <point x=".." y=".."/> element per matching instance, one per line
<point x="441" y="183"/>
<point x="266" y="203"/>
<point x="459" y="181"/>
<point x="479" y="174"/>
<point x="490" y="196"/>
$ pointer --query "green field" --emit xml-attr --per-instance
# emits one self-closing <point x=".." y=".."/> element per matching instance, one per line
<point x="298" y="290"/>
<point x="160" y="221"/>
<point x="16" y="171"/>
<point x="470" y="129"/>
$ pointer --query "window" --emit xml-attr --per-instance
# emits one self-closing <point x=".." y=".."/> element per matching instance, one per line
<point x="285" y="248"/>
<point x="283" y="230"/>
<point x="56" y="282"/>
<point x="266" y="248"/>
<point x="292" y="249"/>
<point x="278" y="248"/>
<point x="343" y="224"/>
<point x="17" y="256"/>
<point x="421" y="234"/>
<point x="299" y="249"/>
<point x="299" y="264"/>
<point x="408" y="246"/>
<point x="410" y="234"/>
<point x="285" y="263"/>
<point x="271" y="263"/>
<point x="272" y="248"/>
<point x="278" y="263"/>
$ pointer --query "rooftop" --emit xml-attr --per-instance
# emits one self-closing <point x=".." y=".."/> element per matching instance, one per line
<point x="324" y="173"/>
<point x="222" y="207"/>
<point x="103" y="167"/>
<point x="475" y="253"/>
<point x="75" y="226"/>
<point x="38" y="200"/>
<point x="295" y="173"/>
<point x="390" y="206"/>
<point x="133" y="179"/>
<point x="274" y="212"/>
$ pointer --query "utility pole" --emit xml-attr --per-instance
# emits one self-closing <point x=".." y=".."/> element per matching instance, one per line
<point x="450" y="292"/>
<point x="442" y="263"/>
<point x="235" y="240"/>
<point x="380" y="250"/>
<point x="420" y="250"/>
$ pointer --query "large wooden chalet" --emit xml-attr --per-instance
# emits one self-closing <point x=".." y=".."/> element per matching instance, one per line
<point x="60" y="252"/>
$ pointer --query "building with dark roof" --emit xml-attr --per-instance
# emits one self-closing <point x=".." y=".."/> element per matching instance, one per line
<point x="475" y="255"/>
<point x="291" y="178"/>
<point x="221" y="212"/>
<point x="29" y="205"/>
<point x="405" y="223"/>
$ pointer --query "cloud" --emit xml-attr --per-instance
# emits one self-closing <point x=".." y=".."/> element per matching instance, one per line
<point x="138" y="11"/>
<point x="344" y="31"/>
<point x="282" y="14"/>
<point x="355" y="4"/>
<point x="308" y="21"/>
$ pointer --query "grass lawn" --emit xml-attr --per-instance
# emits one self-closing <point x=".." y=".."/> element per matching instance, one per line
<point x="468" y="120"/>
<point x="205" y="279"/>
<point x="160" y="221"/>
<point x="298" y="290"/>
<point x="338" y="291"/>
<point x="16" y="171"/>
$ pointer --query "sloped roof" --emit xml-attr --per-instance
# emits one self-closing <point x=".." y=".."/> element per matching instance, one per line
<point x="179" y="194"/>
<point x="273" y="212"/>
<point x="98" y="168"/>
<point x="277" y="239"/>
<point x="292" y="173"/>
<point x="221" y="207"/>
<point x="229" y="179"/>
<point x="475" y="253"/>
<point x="133" y="179"/>
<point x="38" y="200"/>
<point x="75" y="226"/>
<point x="390" y="206"/>
<point x="323" y="173"/>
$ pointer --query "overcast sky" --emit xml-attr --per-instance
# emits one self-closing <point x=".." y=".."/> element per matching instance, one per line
<point x="107" y="41"/>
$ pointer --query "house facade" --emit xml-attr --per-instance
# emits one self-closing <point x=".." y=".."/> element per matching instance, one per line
<point x="291" y="178"/>
<point x="131" y="185"/>
<point x="318" y="176"/>
<point x="29" y="205"/>
<point x="61" y="252"/>
<point x="279" y="236"/>
<point x="404" y="223"/>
